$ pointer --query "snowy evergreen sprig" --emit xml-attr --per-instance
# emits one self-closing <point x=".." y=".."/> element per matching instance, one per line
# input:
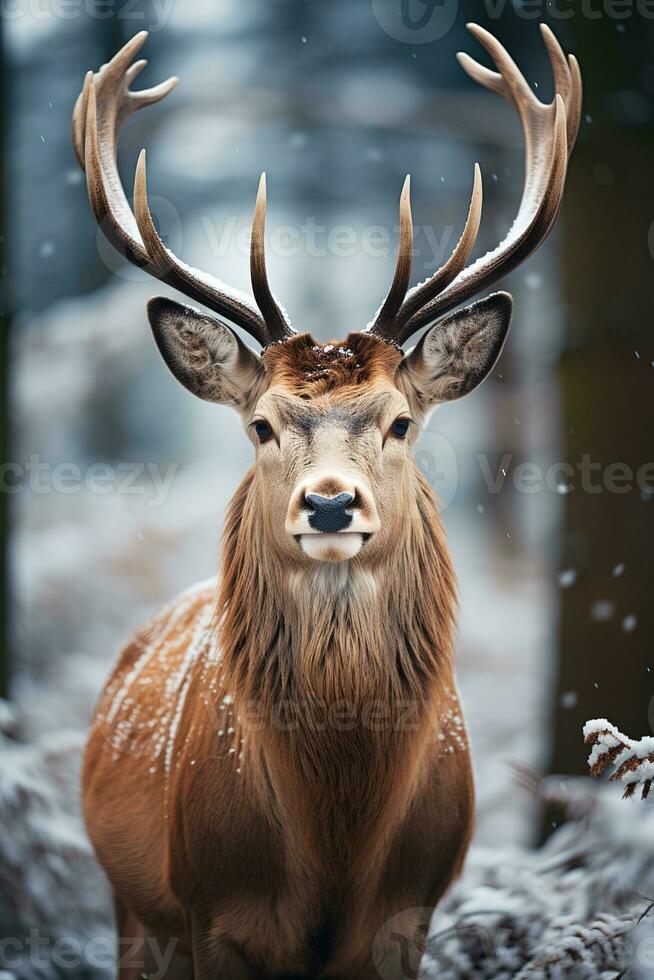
<point x="633" y="760"/>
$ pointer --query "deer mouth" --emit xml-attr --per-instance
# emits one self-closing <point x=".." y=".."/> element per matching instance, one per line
<point x="339" y="546"/>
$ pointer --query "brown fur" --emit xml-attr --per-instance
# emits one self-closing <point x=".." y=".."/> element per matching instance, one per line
<point x="306" y="368"/>
<point x="278" y="767"/>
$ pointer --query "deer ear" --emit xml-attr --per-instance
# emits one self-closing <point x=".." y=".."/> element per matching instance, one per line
<point x="205" y="355"/>
<point x="459" y="351"/>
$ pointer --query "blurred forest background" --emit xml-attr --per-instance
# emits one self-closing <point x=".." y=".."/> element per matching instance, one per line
<point x="556" y="585"/>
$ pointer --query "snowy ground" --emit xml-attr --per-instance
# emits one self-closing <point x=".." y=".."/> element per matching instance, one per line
<point x="579" y="907"/>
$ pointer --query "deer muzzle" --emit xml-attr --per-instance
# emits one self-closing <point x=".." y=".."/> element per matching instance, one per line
<point x="331" y="517"/>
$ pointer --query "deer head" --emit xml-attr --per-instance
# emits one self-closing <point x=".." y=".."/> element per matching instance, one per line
<point x="334" y="424"/>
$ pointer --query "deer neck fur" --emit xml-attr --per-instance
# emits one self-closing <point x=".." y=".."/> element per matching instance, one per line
<point x="346" y="668"/>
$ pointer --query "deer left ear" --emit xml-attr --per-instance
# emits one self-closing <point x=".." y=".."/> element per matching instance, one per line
<point x="459" y="351"/>
<point x="205" y="355"/>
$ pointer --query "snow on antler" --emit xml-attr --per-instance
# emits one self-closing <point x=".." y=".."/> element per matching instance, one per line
<point x="633" y="760"/>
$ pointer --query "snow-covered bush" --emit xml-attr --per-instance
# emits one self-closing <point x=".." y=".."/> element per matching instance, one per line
<point x="55" y="909"/>
<point x="632" y="759"/>
<point x="577" y="907"/>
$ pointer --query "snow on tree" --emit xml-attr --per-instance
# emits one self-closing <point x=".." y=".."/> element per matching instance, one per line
<point x="632" y="760"/>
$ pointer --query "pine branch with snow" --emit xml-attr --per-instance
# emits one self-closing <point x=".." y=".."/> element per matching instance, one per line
<point x="632" y="760"/>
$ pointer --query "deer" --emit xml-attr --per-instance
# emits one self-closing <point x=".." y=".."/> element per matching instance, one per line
<point x="278" y="766"/>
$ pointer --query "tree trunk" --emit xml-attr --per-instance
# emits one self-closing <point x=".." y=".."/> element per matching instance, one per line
<point x="5" y="322"/>
<point x="606" y="630"/>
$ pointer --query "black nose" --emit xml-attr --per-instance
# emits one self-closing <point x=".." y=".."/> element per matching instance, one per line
<point x="329" y="513"/>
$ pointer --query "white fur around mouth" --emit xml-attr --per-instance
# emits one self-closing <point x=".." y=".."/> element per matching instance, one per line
<point x="331" y="547"/>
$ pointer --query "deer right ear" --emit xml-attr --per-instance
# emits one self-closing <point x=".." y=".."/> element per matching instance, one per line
<point x="205" y="355"/>
<point x="459" y="351"/>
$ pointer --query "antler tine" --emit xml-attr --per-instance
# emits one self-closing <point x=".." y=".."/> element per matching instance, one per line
<point x="154" y="247"/>
<point x="514" y="249"/>
<point x="124" y="57"/>
<point x="508" y="80"/>
<point x="274" y="317"/>
<point x="135" y="70"/>
<point x="102" y="107"/>
<point x="385" y="317"/>
<point x="567" y="82"/>
<point x="167" y="267"/>
<point x="79" y="119"/>
<point x="426" y="291"/>
<point x="549" y="131"/>
<point x="511" y="84"/>
<point x="149" y="96"/>
<point x="112" y="214"/>
<point x="573" y="110"/>
<point x="558" y="62"/>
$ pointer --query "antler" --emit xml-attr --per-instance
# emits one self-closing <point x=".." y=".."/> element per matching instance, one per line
<point x="550" y="132"/>
<point x="102" y="107"/>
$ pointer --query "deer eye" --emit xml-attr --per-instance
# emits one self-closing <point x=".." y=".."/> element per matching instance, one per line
<point x="263" y="430"/>
<point x="400" y="427"/>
